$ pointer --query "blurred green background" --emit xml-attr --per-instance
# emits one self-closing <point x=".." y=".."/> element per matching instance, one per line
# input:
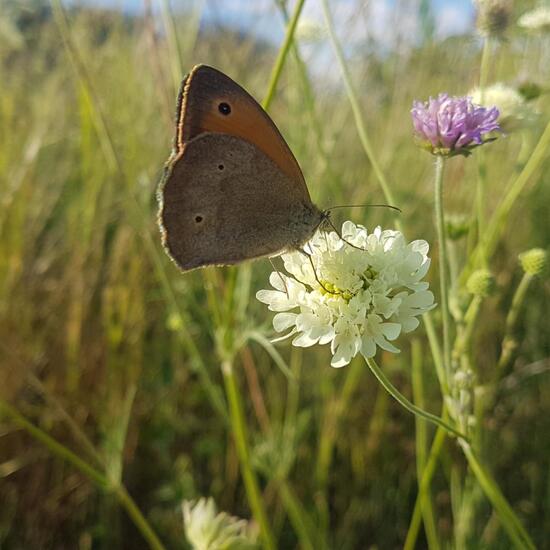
<point x="101" y="335"/>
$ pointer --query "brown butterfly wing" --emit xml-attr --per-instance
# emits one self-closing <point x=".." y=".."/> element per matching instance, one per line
<point x="224" y="201"/>
<point x="209" y="101"/>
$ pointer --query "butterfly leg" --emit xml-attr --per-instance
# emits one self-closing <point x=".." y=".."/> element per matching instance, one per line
<point x="315" y="273"/>
<point x="280" y="276"/>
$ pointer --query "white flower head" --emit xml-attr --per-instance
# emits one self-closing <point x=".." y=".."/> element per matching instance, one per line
<point x="536" y="20"/>
<point x="514" y="111"/>
<point x="356" y="299"/>
<point x="206" y="529"/>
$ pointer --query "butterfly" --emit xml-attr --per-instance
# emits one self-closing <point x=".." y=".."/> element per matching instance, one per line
<point x="232" y="189"/>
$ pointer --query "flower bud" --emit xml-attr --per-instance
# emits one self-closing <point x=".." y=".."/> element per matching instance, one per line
<point x="534" y="261"/>
<point x="457" y="226"/>
<point x="530" y="90"/>
<point x="493" y="16"/>
<point x="481" y="283"/>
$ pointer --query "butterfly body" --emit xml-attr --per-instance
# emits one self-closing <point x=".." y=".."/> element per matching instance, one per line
<point x="232" y="190"/>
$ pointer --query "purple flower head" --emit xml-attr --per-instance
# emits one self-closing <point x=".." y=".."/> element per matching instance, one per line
<point x="452" y="125"/>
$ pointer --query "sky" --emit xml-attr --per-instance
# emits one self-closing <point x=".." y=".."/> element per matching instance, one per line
<point x="381" y="20"/>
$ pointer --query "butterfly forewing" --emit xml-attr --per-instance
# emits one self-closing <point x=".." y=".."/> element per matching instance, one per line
<point x="210" y="101"/>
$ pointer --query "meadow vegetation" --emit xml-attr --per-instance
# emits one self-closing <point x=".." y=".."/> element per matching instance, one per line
<point x="122" y="379"/>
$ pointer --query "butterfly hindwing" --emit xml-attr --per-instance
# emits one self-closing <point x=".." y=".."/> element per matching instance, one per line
<point x="212" y="209"/>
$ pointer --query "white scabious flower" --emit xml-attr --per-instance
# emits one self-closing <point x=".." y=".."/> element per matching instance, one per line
<point x="536" y="20"/>
<point x="514" y="111"/>
<point x="206" y="529"/>
<point x="356" y="300"/>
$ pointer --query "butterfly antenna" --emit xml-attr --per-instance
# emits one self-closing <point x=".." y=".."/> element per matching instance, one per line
<point x="396" y="208"/>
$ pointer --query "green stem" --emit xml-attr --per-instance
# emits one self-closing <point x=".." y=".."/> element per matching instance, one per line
<point x="510" y="522"/>
<point x="94" y="475"/>
<point x="282" y="55"/>
<point x="238" y="427"/>
<point x="137" y="517"/>
<point x="421" y="437"/>
<point x="481" y="164"/>
<point x="78" y="433"/>
<point x="443" y="279"/>
<point x="489" y="240"/>
<point x="484" y="67"/>
<point x="463" y="340"/>
<point x="424" y="487"/>
<point x="301" y="522"/>
<point x="174" y="55"/>
<point x="403" y="401"/>
<point x="509" y="342"/>
<point x="357" y="113"/>
<point x="333" y="411"/>
<point x="435" y="350"/>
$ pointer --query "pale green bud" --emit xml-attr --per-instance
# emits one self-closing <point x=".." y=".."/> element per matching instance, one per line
<point x="481" y="283"/>
<point x="457" y="226"/>
<point x="534" y="261"/>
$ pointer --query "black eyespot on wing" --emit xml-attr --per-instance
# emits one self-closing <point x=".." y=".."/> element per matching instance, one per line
<point x="221" y="166"/>
<point x="224" y="108"/>
<point x="198" y="219"/>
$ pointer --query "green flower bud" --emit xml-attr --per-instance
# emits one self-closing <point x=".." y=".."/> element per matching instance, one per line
<point x="174" y="323"/>
<point x="534" y="261"/>
<point x="481" y="283"/>
<point x="530" y="90"/>
<point x="457" y="226"/>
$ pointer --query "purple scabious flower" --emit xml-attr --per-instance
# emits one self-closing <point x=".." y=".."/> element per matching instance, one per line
<point x="451" y="126"/>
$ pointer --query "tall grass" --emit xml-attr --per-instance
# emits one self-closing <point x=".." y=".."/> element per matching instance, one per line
<point x="133" y="379"/>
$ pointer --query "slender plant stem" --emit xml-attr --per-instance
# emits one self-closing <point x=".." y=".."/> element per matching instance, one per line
<point x="435" y="350"/>
<point x="443" y="279"/>
<point x="423" y="488"/>
<point x="333" y="412"/>
<point x="462" y="341"/>
<point x="174" y="56"/>
<point x="282" y="55"/>
<point x="510" y="522"/>
<point x="484" y="66"/>
<point x="402" y="400"/>
<point x="238" y="426"/>
<point x="137" y="517"/>
<point x="73" y="426"/>
<point x="356" y="108"/>
<point x="94" y="475"/>
<point x="421" y="437"/>
<point x="509" y="342"/>
<point x="301" y="522"/>
<point x="481" y="161"/>
<point x="489" y="239"/>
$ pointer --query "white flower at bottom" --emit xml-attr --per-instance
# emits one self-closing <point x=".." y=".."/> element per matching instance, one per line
<point x="205" y="529"/>
<point x="356" y="299"/>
